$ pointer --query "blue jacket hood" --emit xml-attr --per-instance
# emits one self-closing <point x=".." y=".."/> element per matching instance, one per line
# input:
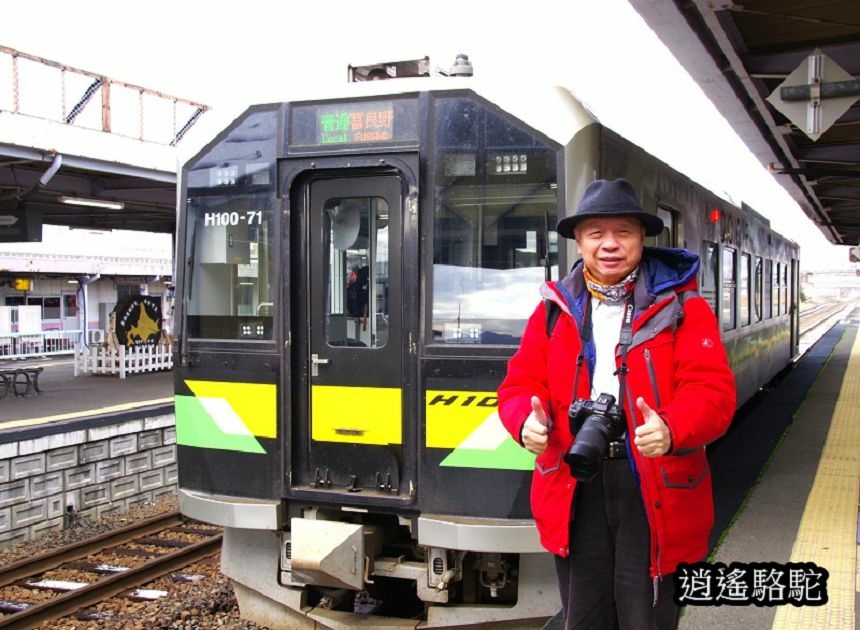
<point x="661" y="269"/>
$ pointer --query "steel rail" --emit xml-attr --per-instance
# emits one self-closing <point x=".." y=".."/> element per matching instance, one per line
<point x="72" y="601"/>
<point x="52" y="559"/>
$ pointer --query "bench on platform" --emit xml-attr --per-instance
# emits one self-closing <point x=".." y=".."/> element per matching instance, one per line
<point x="22" y="381"/>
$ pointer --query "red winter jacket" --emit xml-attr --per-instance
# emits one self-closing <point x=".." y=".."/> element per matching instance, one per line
<point x="676" y="362"/>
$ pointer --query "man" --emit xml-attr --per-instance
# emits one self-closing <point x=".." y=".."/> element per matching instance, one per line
<point x="629" y="497"/>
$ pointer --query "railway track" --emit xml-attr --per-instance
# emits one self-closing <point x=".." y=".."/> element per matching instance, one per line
<point x="809" y="317"/>
<point x="72" y="579"/>
<point x="816" y="321"/>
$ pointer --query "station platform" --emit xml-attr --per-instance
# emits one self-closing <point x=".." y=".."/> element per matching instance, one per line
<point x="65" y="397"/>
<point x="802" y="507"/>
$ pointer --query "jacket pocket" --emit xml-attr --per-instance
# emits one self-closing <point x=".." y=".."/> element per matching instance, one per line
<point x="684" y="472"/>
<point x="549" y="461"/>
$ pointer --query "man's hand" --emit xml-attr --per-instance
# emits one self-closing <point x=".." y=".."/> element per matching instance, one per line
<point x="653" y="438"/>
<point x="536" y="429"/>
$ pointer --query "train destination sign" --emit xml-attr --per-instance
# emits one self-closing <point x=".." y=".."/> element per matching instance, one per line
<point x="355" y="123"/>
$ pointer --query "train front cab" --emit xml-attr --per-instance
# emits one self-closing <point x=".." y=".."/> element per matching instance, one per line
<point x="357" y="274"/>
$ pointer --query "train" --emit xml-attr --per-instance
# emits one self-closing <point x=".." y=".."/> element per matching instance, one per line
<point x="353" y="274"/>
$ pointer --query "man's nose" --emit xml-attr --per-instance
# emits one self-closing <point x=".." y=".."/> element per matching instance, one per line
<point x="610" y="241"/>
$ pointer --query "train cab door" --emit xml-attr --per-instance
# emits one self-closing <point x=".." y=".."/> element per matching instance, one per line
<point x="352" y="409"/>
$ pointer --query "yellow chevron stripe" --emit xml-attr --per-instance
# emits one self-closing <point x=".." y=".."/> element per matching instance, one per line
<point x="254" y="403"/>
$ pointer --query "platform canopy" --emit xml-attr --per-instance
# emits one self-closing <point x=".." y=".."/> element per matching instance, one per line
<point x="743" y="54"/>
<point x="131" y="197"/>
<point x="84" y="150"/>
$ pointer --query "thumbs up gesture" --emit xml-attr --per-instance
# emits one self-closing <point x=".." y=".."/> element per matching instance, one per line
<point x="535" y="432"/>
<point x="652" y="438"/>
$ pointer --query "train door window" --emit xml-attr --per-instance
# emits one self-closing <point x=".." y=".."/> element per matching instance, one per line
<point x="729" y="298"/>
<point x="777" y="294"/>
<point x="709" y="271"/>
<point x="668" y="237"/>
<point x="746" y="290"/>
<point x="358" y="271"/>
<point x="785" y="288"/>
<point x="768" y="288"/>
<point x="758" y="289"/>
<point x="496" y="203"/>
<point x="230" y="212"/>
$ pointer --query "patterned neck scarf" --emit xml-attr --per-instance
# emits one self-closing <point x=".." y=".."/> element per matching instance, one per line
<point x="611" y="294"/>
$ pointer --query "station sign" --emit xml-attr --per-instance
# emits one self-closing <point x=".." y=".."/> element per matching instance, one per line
<point x="136" y="321"/>
<point x="23" y="284"/>
<point x="816" y="94"/>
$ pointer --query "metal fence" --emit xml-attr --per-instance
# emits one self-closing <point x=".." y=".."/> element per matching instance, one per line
<point x="41" y="344"/>
<point x="51" y="90"/>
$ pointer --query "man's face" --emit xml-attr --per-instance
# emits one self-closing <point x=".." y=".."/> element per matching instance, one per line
<point x="611" y="246"/>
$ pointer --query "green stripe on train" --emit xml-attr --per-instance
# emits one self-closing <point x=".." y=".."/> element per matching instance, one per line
<point x="196" y="427"/>
<point x="507" y="456"/>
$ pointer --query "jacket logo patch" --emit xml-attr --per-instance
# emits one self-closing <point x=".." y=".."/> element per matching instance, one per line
<point x="708" y="343"/>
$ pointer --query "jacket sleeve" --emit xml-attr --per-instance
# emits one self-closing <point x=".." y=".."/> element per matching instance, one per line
<point x="704" y="402"/>
<point x="526" y="376"/>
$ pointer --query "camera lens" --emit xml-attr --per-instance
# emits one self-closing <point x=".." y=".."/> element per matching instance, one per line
<point x="590" y="446"/>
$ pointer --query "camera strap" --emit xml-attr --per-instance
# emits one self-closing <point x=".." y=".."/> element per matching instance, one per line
<point x="624" y="341"/>
<point x="584" y="337"/>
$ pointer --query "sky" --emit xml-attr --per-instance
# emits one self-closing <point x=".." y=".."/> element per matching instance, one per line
<point x="230" y="56"/>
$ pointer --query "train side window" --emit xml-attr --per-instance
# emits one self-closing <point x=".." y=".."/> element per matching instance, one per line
<point x="746" y="290"/>
<point x="668" y="237"/>
<point x="768" y="288"/>
<point x="729" y="300"/>
<point x="777" y="285"/>
<point x="495" y="195"/>
<point x="710" y="270"/>
<point x="758" y="289"/>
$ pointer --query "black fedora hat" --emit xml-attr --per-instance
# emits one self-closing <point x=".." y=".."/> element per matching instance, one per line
<point x="610" y="198"/>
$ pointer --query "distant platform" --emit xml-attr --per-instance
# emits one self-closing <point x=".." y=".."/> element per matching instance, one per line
<point x="65" y="396"/>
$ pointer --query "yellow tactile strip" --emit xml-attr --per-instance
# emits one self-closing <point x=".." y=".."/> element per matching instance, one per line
<point x="828" y="529"/>
<point x="19" y="424"/>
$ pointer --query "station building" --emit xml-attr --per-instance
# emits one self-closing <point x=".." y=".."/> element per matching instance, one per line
<point x="71" y="281"/>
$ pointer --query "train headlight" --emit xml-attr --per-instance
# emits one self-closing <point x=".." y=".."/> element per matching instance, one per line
<point x="509" y="163"/>
<point x="223" y="175"/>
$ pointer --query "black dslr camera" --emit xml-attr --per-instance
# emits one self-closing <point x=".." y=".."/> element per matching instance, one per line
<point x="595" y="423"/>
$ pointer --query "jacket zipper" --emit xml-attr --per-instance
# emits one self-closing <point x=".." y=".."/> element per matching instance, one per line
<point x="652" y="519"/>
<point x="652" y="376"/>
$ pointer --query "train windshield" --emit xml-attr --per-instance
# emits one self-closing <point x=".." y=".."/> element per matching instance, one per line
<point x="495" y="214"/>
<point x="230" y="213"/>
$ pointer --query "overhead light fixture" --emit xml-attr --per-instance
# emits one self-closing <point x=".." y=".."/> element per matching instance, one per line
<point x="93" y="203"/>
